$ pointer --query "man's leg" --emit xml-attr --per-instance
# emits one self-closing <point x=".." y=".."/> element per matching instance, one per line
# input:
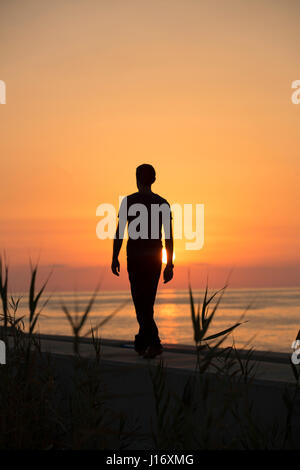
<point x="152" y="279"/>
<point x="136" y="286"/>
<point x="144" y="273"/>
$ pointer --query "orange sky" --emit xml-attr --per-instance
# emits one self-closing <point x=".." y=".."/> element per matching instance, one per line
<point x="202" y="90"/>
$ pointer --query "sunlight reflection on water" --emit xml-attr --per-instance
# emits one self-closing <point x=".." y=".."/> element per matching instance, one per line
<point x="272" y="321"/>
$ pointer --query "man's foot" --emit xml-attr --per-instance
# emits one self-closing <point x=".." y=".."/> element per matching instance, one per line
<point x="140" y="351"/>
<point x="153" y="351"/>
<point x="140" y="345"/>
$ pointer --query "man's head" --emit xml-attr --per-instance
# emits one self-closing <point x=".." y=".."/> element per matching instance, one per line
<point x="145" y="175"/>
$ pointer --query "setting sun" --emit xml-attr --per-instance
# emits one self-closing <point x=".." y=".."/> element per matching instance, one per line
<point x="164" y="256"/>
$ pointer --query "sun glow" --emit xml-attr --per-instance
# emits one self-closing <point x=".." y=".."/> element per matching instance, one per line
<point x="164" y="256"/>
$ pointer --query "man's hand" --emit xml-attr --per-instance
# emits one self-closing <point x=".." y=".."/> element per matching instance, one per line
<point x="168" y="273"/>
<point x="115" y="266"/>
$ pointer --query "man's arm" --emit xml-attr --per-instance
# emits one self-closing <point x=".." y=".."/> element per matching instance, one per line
<point x="168" y="271"/>
<point x="118" y="240"/>
<point x="170" y="248"/>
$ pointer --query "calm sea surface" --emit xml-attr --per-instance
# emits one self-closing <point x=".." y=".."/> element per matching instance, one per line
<point x="272" y="324"/>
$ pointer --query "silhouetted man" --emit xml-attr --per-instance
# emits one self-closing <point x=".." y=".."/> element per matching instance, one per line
<point x="146" y="213"/>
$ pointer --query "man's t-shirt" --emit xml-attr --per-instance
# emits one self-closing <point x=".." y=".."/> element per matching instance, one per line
<point x="145" y="213"/>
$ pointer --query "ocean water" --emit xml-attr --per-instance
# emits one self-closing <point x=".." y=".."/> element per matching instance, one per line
<point x="271" y="322"/>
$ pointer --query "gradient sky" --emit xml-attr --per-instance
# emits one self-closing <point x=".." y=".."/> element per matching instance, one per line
<point x="200" y="89"/>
